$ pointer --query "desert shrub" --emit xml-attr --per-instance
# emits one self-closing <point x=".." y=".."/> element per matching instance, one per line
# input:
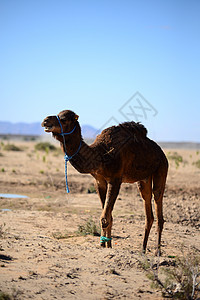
<point x="1" y="231"/>
<point x="181" y="280"/>
<point x="177" y="158"/>
<point x="4" y="296"/>
<point x="92" y="190"/>
<point x="60" y="236"/>
<point x="16" y="294"/>
<point x="197" y="163"/>
<point x="28" y="138"/>
<point x="12" y="147"/>
<point x="45" y="146"/>
<point x="89" y="228"/>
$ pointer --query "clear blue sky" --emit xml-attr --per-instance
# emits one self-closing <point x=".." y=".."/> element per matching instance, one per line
<point x="92" y="56"/>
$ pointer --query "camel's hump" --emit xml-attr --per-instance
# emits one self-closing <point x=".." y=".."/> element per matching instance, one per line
<point x="127" y="127"/>
<point x="136" y="128"/>
<point x="121" y="131"/>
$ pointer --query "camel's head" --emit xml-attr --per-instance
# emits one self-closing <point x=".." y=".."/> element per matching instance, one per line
<point x="67" y="118"/>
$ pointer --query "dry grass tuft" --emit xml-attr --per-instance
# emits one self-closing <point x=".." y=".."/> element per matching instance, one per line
<point x="180" y="279"/>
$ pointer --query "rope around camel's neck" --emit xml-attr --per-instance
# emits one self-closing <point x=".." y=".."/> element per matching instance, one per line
<point x="87" y="160"/>
<point x="68" y="156"/>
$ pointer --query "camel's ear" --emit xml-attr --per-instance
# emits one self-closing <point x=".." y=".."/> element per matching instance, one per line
<point x="76" y="117"/>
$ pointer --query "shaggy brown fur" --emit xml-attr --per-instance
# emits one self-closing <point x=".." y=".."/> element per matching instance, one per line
<point x="119" y="154"/>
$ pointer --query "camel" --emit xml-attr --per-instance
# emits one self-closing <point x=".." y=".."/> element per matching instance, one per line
<point x="120" y="154"/>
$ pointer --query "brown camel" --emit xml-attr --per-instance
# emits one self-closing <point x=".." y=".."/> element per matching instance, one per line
<point x="119" y="154"/>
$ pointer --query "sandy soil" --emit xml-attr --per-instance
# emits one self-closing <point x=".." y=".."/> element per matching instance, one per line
<point x="41" y="255"/>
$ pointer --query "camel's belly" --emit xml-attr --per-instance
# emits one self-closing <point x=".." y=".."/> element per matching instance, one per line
<point x="136" y="173"/>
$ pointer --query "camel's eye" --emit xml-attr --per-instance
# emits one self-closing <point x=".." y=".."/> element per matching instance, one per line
<point x="63" y="119"/>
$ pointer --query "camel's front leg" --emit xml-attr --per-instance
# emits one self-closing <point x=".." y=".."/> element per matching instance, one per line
<point x="106" y="216"/>
<point x="101" y="187"/>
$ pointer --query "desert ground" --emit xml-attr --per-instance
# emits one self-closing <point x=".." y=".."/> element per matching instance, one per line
<point x="43" y="255"/>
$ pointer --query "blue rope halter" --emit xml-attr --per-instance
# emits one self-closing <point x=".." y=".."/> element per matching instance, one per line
<point x="67" y="157"/>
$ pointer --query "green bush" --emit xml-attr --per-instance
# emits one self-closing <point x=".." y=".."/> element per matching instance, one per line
<point x="12" y="147"/>
<point x="92" y="190"/>
<point x="45" y="146"/>
<point x="177" y="158"/>
<point x="197" y="163"/>
<point x="89" y="228"/>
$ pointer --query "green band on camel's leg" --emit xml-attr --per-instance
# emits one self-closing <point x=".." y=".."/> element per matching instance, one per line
<point x="104" y="239"/>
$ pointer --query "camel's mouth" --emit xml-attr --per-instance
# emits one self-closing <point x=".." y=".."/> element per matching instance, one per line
<point x="48" y="128"/>
<point x="50" y="125"/>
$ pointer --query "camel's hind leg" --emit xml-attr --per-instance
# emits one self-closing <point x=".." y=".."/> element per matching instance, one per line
<point x="159" y="180"/>
<point x="145" y="187"/>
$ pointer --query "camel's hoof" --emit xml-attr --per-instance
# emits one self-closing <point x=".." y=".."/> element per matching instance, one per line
<point x="109" y="245"/>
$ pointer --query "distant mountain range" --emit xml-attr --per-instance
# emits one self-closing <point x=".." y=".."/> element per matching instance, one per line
<point x="88" y="132"/>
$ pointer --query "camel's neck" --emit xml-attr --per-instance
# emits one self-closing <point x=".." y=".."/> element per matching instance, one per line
<point x="87" y="160"/>
<point x="84" y="158"/>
